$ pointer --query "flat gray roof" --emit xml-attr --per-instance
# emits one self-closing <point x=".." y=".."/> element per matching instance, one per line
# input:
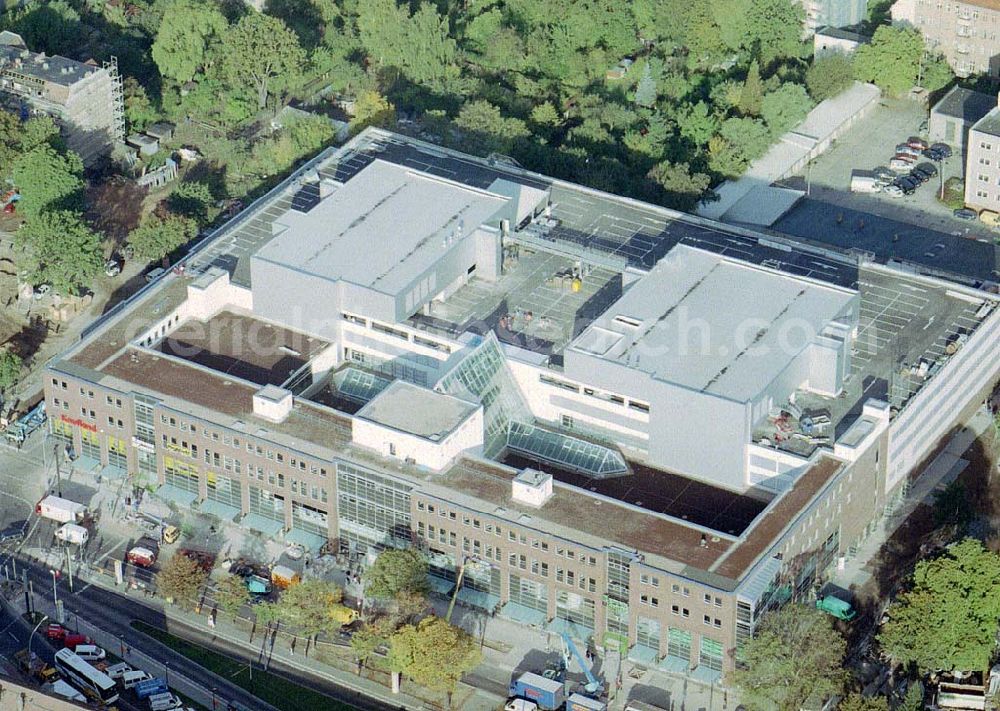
<point x="55" y="69"/>
<point x="965" y="104"/>
<point x="382" y="229"/>
<point x="989" y="124"/>
<point x="712" y="324"/>
<point x="417" y="411"/>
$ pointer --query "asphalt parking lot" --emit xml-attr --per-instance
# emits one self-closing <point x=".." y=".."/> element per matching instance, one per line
<point x="915" y="228"/>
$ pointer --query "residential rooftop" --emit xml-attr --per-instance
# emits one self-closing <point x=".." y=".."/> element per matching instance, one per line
<point x="17" y="59"/>
<point x="989" y="124"/>
<point x="965" y="104"/>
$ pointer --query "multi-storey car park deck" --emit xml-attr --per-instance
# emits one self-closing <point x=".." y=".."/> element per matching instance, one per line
<point x="682" y="494"/>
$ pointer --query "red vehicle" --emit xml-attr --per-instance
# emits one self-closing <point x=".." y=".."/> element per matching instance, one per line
<point x="55" y="631"/>
<point x="72" y="641"/>
<point x="142" y="557"/>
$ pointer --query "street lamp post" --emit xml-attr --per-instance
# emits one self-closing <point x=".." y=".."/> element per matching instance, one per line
<point x="214" y="690"/>
<point x="55" y="594"/>
<point x="31" y="637"/>
<point x="166" y="672"/>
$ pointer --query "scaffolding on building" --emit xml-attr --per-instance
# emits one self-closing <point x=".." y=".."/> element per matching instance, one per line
<point x="117" y="100"/>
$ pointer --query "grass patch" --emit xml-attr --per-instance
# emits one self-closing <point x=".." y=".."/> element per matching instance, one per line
<point x="268" y="687"/>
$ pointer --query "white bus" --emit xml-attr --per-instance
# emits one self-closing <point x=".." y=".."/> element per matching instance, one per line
<point x="85" y="677"/>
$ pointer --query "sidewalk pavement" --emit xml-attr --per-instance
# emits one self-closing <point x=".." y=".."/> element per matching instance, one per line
<point x="944" y="469"/>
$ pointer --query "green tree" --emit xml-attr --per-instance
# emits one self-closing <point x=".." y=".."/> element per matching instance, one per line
<point x="367" y="640"/>
<point x="48" y="180"/>
<point x="485" y="129"/>
<point x="231" y="594"/>
<point x="396" y="571"/>
<point x="10" y="368"/>
<point x="138" y="109"/>
<point x="936" y="73"/>
<point x="157" y="237"/>
<point x="181" y="579"/>
<point x="857" y="702"/>
<point x="914" y="699"/>
<point x="53" y="26"/>
<point x="794" y="653"/>
<point x="697" y="123"/>
<point x="773" y="29"/>
<point x="260" y="53"/>
<point x="891" y="60"/>
<point x="829" y="75"/>
<point x="948" y="620"/>
<point x="420" y="46"/>
<point x="952" y="506"/>
<point x="191" y="199"/>
<point x="183" y="41"/>
<point x="59" y="250"/>
<point x="682" y="188"/>
<point x="372" y="109"/>
<point x="752" y="93"/>
<point x="312" y="607"/>
<point x="434" y="653"/>
<point x="645" y="90"/>
<point x="785" y="107"/>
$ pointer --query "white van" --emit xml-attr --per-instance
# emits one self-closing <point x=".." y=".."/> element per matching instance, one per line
<point x="163" y="702"/>
<point x="132" y="678"/>
<point x="71" y="533"/>
<point x="116" y="671"/>
<point x="155" y="274"/>
<point x="89" y="652"/>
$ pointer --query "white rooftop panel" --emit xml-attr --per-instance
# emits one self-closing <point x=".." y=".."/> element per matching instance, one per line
<point x="418" y="411"/>
<point x="714" y="325"/>
<point x="382" y="229"/>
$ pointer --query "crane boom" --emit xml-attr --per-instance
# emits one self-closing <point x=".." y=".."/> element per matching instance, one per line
<point x="593" y="685"/>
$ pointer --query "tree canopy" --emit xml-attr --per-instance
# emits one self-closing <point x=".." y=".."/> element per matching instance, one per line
<point x="313" y="607"/>
<point x="829" y="75"/>
<point x="10" y="368"/>
<point x="434" y="653"/>
<point x="794" y="653"/>
<point x="231" y="594"/>
<point x="48" y="180"/>
<point x="181" y="578"/>
<point x="59" y="250"/>
<point x="157" y="237"/>
<point x="260" y="54"/>
<point x="948" y="620"/>
<point x="893" y="60"/>
<point x="395" y="572"/>
<point x="182" y="43"/>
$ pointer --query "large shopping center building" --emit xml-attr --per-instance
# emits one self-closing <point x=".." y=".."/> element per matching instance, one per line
<point x="627" y="423"/>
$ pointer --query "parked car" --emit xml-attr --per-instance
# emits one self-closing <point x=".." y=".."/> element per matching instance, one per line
<point x="132" y="678"/>
<point x="56" y="631"/>
<point x="14" y="532"/>
<point x="917" y="142"/>
<point x="883" y="173"/>
<point x="154" y="274"/>
<point x="907" y="149"/>
<point x="933" y="154"/>
<point x="89" y="652"/>
<point x="112" y="267"/>
<point x="117" y="671"/>
<point x="927" y="169"/>
<point x="943" y="148"/>
<point x="893" y="190"/>
<point x="74" y="640"/>
<point x="965" y="213"/>
<point x="919" y="176"/>
<point x="901" y="163"/>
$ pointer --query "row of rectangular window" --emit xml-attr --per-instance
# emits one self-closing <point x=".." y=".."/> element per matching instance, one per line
<point x="235" y="442"/>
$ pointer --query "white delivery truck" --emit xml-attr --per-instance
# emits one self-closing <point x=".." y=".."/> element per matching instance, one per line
<point x="864" y="181"/>
<point x="60" y="510"/>
<point x="71" y="533"/>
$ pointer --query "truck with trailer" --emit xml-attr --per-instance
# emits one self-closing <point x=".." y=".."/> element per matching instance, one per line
<point x="60" y="510"/>
<point x="546" y="694"/>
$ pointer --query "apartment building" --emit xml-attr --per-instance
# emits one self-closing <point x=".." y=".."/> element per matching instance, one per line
<point x="957" y="111"/>
<point x="982" y="163"/>
<point x="833" y="13"/>
<point x="85" y="99"/>
<point x="626" y="424"/>
<point x="964" y="32"/>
